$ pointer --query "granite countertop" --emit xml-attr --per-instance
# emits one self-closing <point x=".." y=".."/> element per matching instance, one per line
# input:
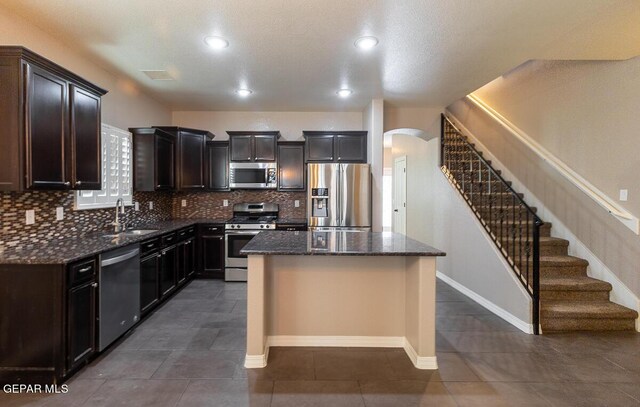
<point x="337" y="243"/>
<point x="290" y="221"/>
<point x="75" y="248"/>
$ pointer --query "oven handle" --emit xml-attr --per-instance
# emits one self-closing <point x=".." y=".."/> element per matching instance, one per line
<point x="237" y="232"/>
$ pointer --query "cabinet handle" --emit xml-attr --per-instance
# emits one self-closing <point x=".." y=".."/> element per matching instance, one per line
<point x="78" y="183"/>
<point x="187" y="243"/>
<point x="150" y="245"/>
<point x="160" y="255"/>
<point x="94" y="285"/>
<point x="67" y="184"/>
<point x="158" y="186"/>
<point x="84" y="270"/>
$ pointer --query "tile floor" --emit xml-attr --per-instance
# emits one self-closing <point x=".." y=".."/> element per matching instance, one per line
<point x="190" y="353"/>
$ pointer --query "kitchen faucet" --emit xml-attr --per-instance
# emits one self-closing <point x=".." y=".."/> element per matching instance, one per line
<point x="119" y="226"/>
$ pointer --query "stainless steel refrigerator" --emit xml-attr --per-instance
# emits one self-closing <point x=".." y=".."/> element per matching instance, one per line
<point x="339" y="196"/>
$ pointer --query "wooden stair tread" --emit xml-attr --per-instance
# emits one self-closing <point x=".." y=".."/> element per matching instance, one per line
<point x="586" y="309"/>
<point x="562" y="261"/>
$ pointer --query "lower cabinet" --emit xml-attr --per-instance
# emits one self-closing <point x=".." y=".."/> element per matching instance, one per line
<point x="211" y="253"/>
<point x="81" y="328"/>
<point x="149" y="282"/>
<point x="168" y="272"/>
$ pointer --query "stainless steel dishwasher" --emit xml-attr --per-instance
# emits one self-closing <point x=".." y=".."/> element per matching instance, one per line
<point x="119" y="286"/>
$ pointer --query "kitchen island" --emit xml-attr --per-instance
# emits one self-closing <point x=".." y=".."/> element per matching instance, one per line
<point x="343" y="289"/>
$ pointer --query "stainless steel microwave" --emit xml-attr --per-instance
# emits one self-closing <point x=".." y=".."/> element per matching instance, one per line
<point x="253" y="176"/>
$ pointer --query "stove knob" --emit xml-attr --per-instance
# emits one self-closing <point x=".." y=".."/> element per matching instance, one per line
<point x="261" y="226"/>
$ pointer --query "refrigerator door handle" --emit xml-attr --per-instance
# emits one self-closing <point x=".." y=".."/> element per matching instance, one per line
<point x="339" y="194"/>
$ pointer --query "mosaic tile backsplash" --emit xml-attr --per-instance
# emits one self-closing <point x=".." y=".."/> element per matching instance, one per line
<point x="166" y="205"/>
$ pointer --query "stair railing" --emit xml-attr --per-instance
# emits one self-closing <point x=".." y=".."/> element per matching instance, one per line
<point x="510" y="222"/>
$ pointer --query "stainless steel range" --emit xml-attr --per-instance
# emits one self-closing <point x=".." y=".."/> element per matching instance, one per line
<point x="248" y="220"/>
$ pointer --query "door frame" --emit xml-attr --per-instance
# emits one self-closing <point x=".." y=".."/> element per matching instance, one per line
<point x="399" y="178"/>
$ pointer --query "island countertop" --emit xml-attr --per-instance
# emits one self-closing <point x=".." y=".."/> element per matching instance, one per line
<point x="337" y="243"/>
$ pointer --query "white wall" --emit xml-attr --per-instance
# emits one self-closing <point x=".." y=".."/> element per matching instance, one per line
<point x="372" y="121"/>
<point x="124" y="106"/>
<point x="290" y="124"/>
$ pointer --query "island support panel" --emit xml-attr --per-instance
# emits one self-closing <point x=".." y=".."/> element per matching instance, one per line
<point x="342" y="301"/>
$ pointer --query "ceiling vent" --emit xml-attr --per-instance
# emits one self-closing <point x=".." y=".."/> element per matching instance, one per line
<point x="158" y="75"/>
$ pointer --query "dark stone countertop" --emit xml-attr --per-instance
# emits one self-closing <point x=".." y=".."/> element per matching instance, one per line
<point x="291" y="221"/>
<point x="75" y="248"/>
<point x="337" y="243"/>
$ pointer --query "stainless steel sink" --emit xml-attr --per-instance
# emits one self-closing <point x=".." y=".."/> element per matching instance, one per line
<point x="132" y="232"/>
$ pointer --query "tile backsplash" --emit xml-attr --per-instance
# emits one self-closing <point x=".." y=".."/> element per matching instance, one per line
<point x="167" y="205"/>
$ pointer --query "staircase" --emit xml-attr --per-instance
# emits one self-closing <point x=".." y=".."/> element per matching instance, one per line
<point x="564" y="297"/>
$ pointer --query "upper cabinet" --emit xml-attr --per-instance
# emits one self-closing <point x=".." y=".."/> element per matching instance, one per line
<point x="253" y="146"/>
<point x="336" y="146"/>
<point x="217" y="166"/>
<point x="169" y="158"/>
<point x="49" y="125"/>
<point x="291" y="168"/>
<point x="190" y="156"/>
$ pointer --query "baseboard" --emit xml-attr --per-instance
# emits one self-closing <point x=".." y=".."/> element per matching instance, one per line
<point x="257" y="361"/>
<point x="338" y="341"/>
<point x="420" y="362"/>
<point x="620" y="293"/>
<point x="507" y="316"/>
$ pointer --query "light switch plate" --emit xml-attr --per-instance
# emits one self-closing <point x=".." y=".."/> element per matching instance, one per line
<point x="624" y="194"/>
<point x="59" y="213"/>
<point x="30" y="217"/>
<point x="296" y="203"/>
<point x="151" y="205"/>
<point x="225" y="202"/>
<point x="183" y="203"/>
<point x="136" y="206"/>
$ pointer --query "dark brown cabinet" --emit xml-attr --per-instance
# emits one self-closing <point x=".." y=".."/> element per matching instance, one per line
<point x="217" y="166"/>
<point x="186" y="260"/>
<point x="256" y="146"/>
<point x="49" y="125"/>
<point x="211" y="261"/>
<point x="292" y="227"/>
<point x="149" y="282"/>
<point x="81" y="312"/>
<point x="291" y="168"/>
<point x="168" y="272"/>
<point x="336" y="146"/>
<point x="154" y="154"/>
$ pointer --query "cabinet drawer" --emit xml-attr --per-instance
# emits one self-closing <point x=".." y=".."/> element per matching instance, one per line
<point x="187" y="233"/>
<point x="292" y="227"/>
<point x="169" y="239"/>
<point x="149" y="246"/>
<point x="82" y="271"/>
<point x="213" y="229"/>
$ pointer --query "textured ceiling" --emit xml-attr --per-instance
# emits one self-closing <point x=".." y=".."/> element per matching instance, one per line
<point x="295" y="54"/>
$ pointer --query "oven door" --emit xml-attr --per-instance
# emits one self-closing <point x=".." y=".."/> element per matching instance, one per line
<point x="233" y="243"/>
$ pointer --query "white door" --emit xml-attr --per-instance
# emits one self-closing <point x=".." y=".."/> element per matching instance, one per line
<point x="400" y="195"/>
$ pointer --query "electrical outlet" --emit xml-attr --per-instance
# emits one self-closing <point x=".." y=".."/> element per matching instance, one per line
<point x="59" y="213"/>
<point x="296" y="203"/>
<point x="624" y="194"/>
<point x="136" y="206"/>
<point x="183" y="203"/>
<point x="225" y="202"/>
<point x="30" y="217"/>
<point x="151" y="205"/>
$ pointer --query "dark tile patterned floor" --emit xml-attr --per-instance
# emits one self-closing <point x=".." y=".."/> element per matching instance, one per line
<point x="190" y="353"/>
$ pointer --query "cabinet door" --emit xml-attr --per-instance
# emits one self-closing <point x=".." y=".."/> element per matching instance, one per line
<point x="149" y="280"/>
<point x="319" y="148"/>
<point x="218" y="166"/>
<point x="168" y="270"/>
<point x="46" y="130"/>
<point x="264" y="148"/>
<point x="291" y="169"/>
<point x="351" y="148"/>
<point x="191" y="169"/>
<point x="190" y="257"/>
<point x="81" y="334"/>
<point x="212" y="256"/>
<point x="241" y="148"/>
<point x="181" y="270"/>
<point x="85" y="139"/>
<point x="165" y="162"/>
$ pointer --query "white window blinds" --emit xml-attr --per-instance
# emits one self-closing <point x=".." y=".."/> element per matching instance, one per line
<point x="117" y="173"/>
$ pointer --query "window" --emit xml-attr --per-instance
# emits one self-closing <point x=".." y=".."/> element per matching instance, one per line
<point x="117" y="175"/>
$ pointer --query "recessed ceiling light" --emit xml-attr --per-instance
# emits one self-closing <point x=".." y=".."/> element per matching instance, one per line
<point x="366" y="43"/>
<point x="216" y="42"/>
<point x="344" y="93"/>
<point x="243" y="92"/>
